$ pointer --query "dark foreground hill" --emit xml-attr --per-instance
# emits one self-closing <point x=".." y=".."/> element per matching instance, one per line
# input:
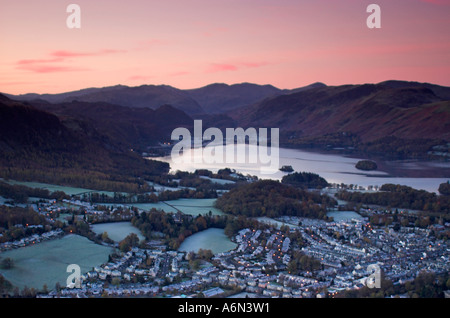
<point x="36" y="145"/>
<point x="126" y="127"/>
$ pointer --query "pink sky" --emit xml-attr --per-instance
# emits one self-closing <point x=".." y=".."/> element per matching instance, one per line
<point x="192" y="43"/>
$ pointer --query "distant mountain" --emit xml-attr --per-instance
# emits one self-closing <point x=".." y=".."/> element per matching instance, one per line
<point x="221" y="98"/>
<point x="369" y="111"/>
<point x="212" y="99"/>
<point x="122" y="117"/>
<point x="305" y="88"/>
<point x="145" y="96"/>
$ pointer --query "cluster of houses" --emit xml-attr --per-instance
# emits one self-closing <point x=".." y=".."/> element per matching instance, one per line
<point x="32" y="239"/>
<point x="258" y="264"/>
<point x="401" y="254"/>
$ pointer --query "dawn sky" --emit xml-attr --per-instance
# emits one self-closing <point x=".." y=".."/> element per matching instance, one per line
<point x="193" y="43"/>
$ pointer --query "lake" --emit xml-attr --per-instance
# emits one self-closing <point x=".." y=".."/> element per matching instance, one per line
<point x="333" y="167"/>
<point x="46" y="262"/>
<point x="117" y="231"/>
<point x="213" y="239"/>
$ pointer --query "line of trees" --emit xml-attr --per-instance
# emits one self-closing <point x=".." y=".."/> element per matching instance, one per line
<point x="400" y="196"/>
<point x="21" y="193"/>
<point x="272" y="199"/>
<point x="175" y="228"/>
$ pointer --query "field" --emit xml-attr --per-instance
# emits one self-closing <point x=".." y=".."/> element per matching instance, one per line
<point x="117" y="231"/>
<point x="46" y="262"/>
<point x="186" y="206"/>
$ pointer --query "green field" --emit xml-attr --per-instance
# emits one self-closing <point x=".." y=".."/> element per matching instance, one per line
<point x="211" y="239"/>
<point x="46" y="262"/>
<point x="117" y="231"/>
<point x="186" y="206"/>
<point x="54" y="187"/>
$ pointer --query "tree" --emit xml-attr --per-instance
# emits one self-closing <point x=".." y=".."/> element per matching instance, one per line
<point x="7" y="263"/>
<point x="444" y="188"/>
<point x="105" y="238"/>
<point x="292" y="267"/>
<point x="5" y="286"/>
<point x="366" y="165"/>
<point x="129" y="242"/>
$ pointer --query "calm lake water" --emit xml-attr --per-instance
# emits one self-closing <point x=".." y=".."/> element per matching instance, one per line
<point x="213" y="239"/>
<point x="334" y="168"/>
<point x="46" y="262"/>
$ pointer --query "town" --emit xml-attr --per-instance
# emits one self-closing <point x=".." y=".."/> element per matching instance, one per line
<point x="293" y="257"/>
<point x="289" y="257"/>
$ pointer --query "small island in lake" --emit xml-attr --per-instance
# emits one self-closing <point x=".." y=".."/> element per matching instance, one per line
<point x="286" y="169"/>
<point x="366" y="165"/>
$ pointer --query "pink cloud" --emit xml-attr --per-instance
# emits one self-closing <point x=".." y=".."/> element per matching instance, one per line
<point x="63" y="53"/>
<point x="40" y="61"/>
<point x="39" y="68"/>
<point x="223" y="67"/>
<point x="43" y="65"/>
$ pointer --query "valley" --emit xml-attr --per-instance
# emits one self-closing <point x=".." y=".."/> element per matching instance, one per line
<point x="86" y="174"/>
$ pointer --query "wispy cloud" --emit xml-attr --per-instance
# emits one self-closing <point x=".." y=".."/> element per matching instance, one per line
<point x="65" y="54"/>
<point x="213" y="68"/>
<point x="42" y="68"/>
<point x="225" y="67"/>
<point x="52" y="65"/>
<point x="57" y="61"/>
<point x="38" y="61"/>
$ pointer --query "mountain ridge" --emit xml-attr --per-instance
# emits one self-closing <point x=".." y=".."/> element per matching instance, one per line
<point x="368" y="110"/>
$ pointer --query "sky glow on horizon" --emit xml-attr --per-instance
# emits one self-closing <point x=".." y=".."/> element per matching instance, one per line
<point x="192" y="43"/>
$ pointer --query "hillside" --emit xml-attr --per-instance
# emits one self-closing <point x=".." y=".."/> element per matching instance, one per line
<point x="398" y="119"/>
<point x="366" y="112"/>
<point x="127" y="127"/>
<point x="36" y="145"/>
